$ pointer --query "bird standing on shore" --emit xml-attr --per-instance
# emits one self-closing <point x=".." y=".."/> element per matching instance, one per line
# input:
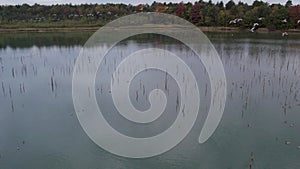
<point x="254" y="27"/>
<point x="284" y="34"/>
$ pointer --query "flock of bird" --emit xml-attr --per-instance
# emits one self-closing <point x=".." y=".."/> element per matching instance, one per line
<point x="256" y="25"/>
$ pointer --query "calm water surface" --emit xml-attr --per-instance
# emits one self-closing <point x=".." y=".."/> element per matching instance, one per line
<point x="260" y="126"/>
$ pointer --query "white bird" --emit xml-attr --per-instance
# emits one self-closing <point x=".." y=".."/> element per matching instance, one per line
<point x="298" y="22"/>
<point x="284" y="34"/>
<point x="236" y="20"/>
<point x="287" y="142"/>
<point x="254" y="27"/>
<point x="260" y="19"/>
<point x="232" y="22"/>
<point x="284" y="21"/>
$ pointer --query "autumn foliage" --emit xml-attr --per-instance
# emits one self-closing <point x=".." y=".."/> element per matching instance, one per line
<point x="294" y="13"/>
<point x="200" y="13"/>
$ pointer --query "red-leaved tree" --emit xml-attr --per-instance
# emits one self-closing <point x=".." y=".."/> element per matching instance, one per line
<point x="180" y="10"/>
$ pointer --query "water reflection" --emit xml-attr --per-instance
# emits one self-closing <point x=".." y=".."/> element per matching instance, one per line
<point x="27" y="40"/>
<point x="259" y="129"/>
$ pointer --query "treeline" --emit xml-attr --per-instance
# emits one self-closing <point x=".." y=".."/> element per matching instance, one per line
<point x="200" y="13"/>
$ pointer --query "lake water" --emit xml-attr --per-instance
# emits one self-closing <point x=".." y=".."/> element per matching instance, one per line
<point x="260" y="125"/>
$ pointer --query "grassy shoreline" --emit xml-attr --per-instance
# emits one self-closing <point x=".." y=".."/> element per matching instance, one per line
<point x="94" y="28"/>
<point x="66" y="29"/>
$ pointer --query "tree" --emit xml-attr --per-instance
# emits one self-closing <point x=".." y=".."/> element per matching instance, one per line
<point x="257" y="3"/>
<point x="180" y="10"/>
<point x="276" y="16"/>
<point x="229" y="5"/>
<point x="222" y="17"/>
<point x="203" y="12"/>
<point x="139" y="8"/>
<point x="195" y="13"/>
<point x="160" y="9"/>
<point x="294" y="12"/>
<point x="220" y="5"/>
<point x="288" y="3"/>
<point x="212" y="14"/>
